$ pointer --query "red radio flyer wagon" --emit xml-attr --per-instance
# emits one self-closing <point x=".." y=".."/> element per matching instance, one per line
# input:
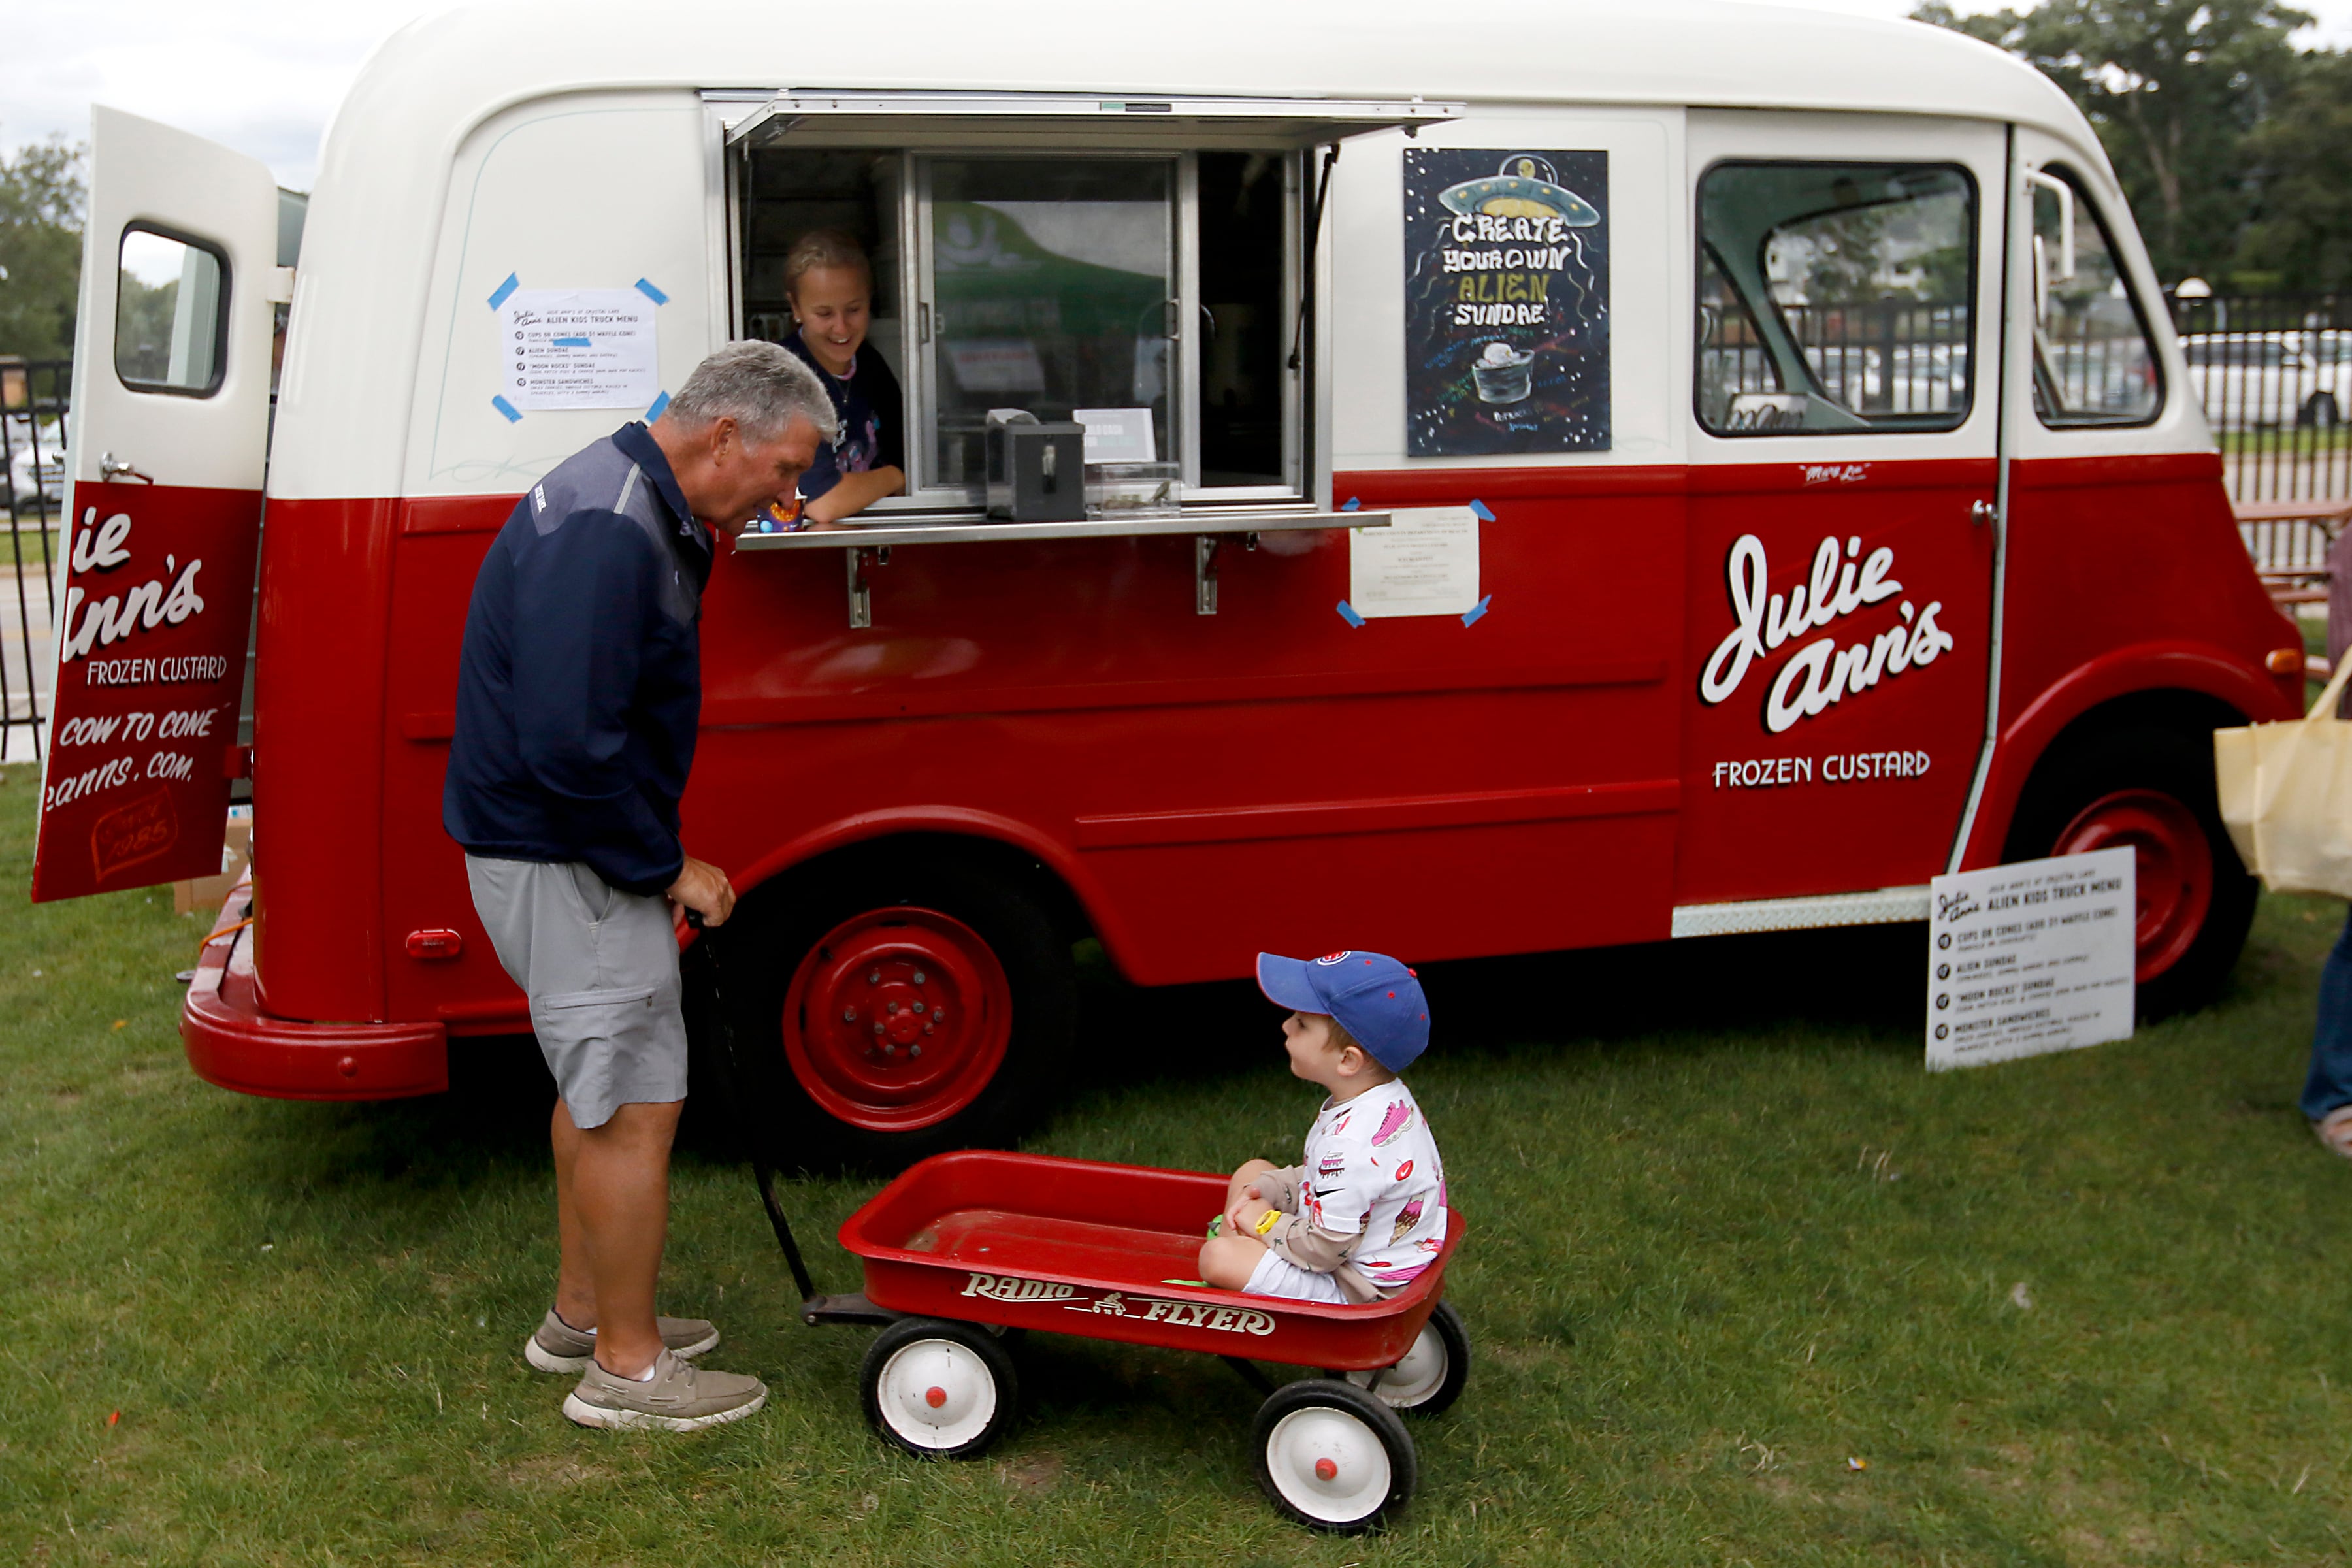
<point x="960" y="1252"/>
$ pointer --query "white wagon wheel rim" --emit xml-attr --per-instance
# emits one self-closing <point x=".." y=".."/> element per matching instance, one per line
<point x="1329" y="1464"/>
<point x="935" y="1393"/>
<point x="1413" y="1380"/>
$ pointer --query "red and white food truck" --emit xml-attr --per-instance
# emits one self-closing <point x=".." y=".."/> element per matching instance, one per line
<point x="1592" y="474"/>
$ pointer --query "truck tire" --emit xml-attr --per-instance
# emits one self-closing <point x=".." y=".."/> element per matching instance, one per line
<point x="896" y="1005"/>
<point x="2149" y="787"/>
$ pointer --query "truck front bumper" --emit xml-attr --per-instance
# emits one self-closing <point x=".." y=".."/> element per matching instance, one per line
<point x="231" y="1042"/>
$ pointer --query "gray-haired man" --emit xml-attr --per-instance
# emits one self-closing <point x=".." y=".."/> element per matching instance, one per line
<point x="579" y="692"/>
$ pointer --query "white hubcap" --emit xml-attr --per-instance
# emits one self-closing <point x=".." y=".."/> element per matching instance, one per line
<point x="935" y="1393"/>
<point x="1413" y="1379"/>
<point x="1328" y="1464"/>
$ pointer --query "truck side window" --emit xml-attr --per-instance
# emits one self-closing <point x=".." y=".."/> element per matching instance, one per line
<point x="171" y="312"/>
<point x="1850" y="287"/>
<point x="2093" y="360"/>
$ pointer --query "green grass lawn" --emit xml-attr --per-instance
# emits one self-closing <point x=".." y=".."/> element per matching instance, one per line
<point x="1729" y="1239"/>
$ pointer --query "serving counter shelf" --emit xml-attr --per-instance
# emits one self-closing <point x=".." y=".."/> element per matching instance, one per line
<point x="867" y="545"/>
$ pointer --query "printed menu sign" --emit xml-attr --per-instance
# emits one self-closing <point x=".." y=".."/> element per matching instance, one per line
<point x="1506" y="301"/>
<point x="578" y="348"/>
<point x="2031" y="958"/>
<point x="1425" y="563"/>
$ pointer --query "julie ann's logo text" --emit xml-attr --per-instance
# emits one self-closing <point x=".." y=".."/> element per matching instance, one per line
<point x="1820" y="674"/>
<point x="90" y="621"/>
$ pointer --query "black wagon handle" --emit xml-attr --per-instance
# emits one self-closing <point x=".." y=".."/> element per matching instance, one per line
<point x="730" y="1073"/>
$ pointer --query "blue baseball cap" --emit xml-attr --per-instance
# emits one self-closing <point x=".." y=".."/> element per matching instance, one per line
<point x="1375" y="998"/>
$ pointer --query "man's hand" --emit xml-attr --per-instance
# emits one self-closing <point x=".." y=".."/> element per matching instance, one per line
<point x="704" y="888"/>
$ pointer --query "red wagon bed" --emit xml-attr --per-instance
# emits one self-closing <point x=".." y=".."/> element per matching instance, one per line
<point x="1073" y="1247"/>
<point x="966" y="1246"/>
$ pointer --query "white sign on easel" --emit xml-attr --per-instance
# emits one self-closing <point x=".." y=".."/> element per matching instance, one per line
<point x="1424" y="562"/>
<point x="2031" y="958"/>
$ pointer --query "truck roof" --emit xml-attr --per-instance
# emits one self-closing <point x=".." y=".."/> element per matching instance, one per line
<point x="386" y="171"/>
<point x="435" y="78"/>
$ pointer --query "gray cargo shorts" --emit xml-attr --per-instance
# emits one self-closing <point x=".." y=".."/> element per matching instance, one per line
<point x="599" y="967"/>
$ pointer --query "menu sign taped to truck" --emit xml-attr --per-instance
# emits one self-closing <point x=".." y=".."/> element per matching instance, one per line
<point x="578" y="348"/>
<point x="151" y="644"/>
<point x="1506" y="301"/>
<point x="1424" y="562"/>
<point x="2029" y="958"/>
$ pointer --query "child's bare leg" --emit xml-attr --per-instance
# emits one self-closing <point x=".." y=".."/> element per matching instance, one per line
<point x="1227" y="1261"/>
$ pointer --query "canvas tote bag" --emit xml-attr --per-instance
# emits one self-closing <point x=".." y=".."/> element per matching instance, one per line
<point x="2286" y="795"/>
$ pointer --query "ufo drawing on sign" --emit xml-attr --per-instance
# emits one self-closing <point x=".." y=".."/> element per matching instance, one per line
<point x="1526" y="185"/>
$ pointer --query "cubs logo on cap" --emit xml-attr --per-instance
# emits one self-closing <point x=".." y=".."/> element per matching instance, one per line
<point x="1376" y="999"/>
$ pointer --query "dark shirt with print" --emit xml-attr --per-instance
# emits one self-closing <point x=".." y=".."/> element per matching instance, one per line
<point x="866" y="410"/>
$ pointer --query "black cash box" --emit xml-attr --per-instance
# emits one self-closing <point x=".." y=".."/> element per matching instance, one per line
<point x="1036" y="468"/>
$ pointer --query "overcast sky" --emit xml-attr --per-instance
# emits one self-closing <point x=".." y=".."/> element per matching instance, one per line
<point x="263" y="75"/>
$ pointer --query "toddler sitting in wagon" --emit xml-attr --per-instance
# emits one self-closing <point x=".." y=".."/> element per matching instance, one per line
<point x="1364" y="1212"/>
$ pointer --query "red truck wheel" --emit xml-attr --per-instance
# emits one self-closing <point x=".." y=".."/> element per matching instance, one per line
<point x="2148" y="788"/>
<point x="895" y="1007"/>
<point x="897" y="1019"/>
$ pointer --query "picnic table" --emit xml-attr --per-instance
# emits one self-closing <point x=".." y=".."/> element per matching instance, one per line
<point x="2290" y="542"/>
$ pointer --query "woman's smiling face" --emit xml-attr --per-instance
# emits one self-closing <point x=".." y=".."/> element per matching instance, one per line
<point x="834" y="306"/>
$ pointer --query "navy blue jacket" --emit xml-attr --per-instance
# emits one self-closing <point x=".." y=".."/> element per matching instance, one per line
<point x="580" y="682"/>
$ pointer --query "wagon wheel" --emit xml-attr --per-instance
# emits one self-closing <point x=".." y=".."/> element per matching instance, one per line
<point x="1333" y="1456"/>
<point x="937" y="1389"/>
<point x="1433" y="1372"/>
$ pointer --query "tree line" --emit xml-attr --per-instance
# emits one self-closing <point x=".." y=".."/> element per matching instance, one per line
<point x="2228" y="141"/>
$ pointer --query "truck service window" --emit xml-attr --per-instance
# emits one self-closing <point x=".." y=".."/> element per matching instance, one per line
<point x="1158" y="290"/>
<point x="171" y="301"/>
<point x="2093" y="360"/>
<point x="1835" y="297"/>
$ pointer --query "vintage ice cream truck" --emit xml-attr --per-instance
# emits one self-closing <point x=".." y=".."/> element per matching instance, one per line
<point x="1613" y="473"/>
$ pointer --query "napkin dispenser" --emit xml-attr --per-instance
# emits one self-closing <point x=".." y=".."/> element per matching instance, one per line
<point x="1036" y="468"/>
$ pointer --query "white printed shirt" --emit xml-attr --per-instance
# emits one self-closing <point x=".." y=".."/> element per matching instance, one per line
<point x="1372" y="1176"/>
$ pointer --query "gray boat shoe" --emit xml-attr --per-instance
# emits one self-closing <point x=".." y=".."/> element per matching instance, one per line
<point x="680" y="1397"/>
<point x="557" y="1346"/>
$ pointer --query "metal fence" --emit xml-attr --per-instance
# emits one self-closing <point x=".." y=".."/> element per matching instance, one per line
<point x="2274" y="373"/>
<point x="33" y="397"/>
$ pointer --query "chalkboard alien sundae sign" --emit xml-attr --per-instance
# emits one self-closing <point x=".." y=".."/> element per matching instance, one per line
<point x="1506" y="301"/>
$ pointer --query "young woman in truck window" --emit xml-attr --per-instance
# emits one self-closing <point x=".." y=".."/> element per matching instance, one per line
<point x="829" y="283"/>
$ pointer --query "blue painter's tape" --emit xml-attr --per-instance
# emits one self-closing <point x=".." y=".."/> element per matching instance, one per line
<point x="655" y="412"/>
<point x="1348" y="613"/>
<point x="513" y="414"/>
<point x="1471" y="617"/>
<point x="650" y="292"/>
<point x="499" y="295"/>
<point x="1478" y="510"/>
<point x="572" y="344"/>
<point x="1350" y="504"/>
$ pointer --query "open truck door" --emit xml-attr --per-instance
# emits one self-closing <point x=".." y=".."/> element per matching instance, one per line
<point x="170" y="431"/>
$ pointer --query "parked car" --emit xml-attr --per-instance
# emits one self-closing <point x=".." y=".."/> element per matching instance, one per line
<point x="36" y="463"/>
<point x="2250" y="380"/>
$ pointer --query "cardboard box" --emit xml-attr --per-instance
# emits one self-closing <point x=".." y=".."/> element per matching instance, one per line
<point x="206" y="894"/>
